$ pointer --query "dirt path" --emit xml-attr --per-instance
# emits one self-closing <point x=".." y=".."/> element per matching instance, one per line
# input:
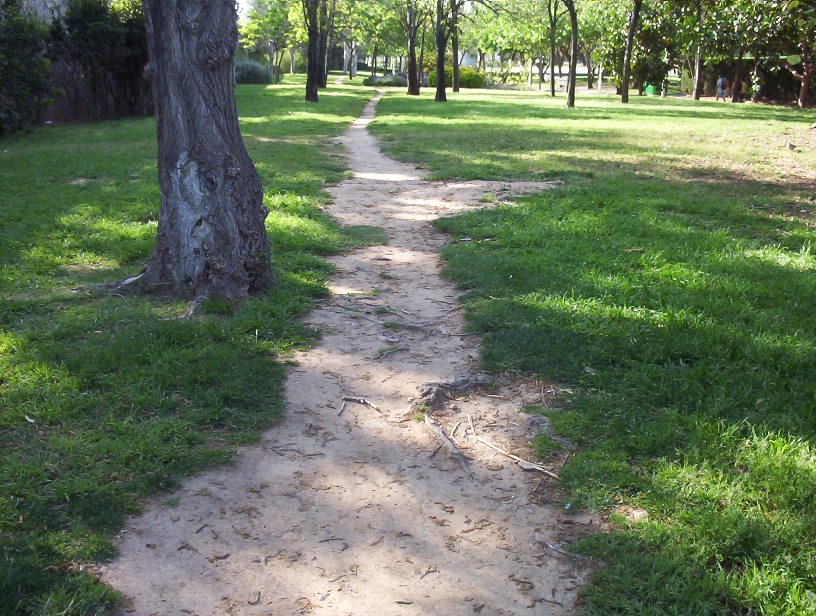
<point x="342" y="509"/>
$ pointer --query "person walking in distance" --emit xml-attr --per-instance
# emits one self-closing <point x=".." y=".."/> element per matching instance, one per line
<point x="722" y="84"/>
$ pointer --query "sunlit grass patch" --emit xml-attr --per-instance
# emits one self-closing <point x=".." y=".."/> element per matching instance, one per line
<point x="669" y="284"/>
<point x="107" y="398"/>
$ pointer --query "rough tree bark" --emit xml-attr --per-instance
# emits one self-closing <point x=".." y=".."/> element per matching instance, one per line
<point x="573" y="64"/>
<point x="211" y="238"/>
<point x="627" y="57"/>
<point x="441" y="48"/>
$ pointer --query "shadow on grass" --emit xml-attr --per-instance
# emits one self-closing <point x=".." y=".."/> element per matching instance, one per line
<point x="106" y="399"/>
<point x="680" y="315"/>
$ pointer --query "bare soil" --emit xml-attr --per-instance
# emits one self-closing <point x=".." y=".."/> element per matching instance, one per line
<point x="344" y="508"/>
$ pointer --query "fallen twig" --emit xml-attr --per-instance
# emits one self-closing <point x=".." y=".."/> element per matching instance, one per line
<point x="470" y="421"/>
<point x="364" y="402"/>
<point x="342" y="408"/>
<point x="527" y="466"/>
<point x="455" y="428"/>
<point x="388" y="352"/>
<point x="449" y="445"/>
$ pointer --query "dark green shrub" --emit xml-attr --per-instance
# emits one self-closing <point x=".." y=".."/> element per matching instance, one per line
<point x="468" y="78"/>
<point x="25" y="85"/>
<point x="249" y="71"/>
<point x="99" y="51"/>
<point x="471" y="78"/>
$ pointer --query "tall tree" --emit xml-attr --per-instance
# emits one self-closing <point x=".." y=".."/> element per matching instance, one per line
<point x="267" y="29"/>
<point x="311" y="17"/>
<point x="800" y="16"/>
<point x="441" y="35"/>
<point x="627" y="56"/>
<point x="211" y="238"/>
<point x="573" y="65"/>
<point x="412" y="14"/>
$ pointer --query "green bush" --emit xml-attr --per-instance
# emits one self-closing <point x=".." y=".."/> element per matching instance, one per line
<point x="99" y="51"/>
<point x="249" y="71"/>
<point x="25" y="86"/>
<point x="387" y="80"/>
<point x="468" y="78"/>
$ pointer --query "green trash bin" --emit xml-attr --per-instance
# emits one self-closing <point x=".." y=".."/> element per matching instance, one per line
<point x="652" y="90"/>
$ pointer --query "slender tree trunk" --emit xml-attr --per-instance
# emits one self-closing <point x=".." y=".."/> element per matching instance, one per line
<point x="311" y="17"/>
<point x="736" y="88"/>
<point x="553" y="15"/>
<point x="374" y="61"/>
<point x="292" y="52"/>
<point x="411" y="32"/>
<point x="441" y="48"/>
<point x="699" y="67"/>
<point x="808" y="70"/>
<point x="804" y="90"/>
<point x="321" y="58"/>
<point x="590" y="72"/>
<point x="211" y="238"/>
<point x="421" y="64"/>
<point x="573" y="64"/>
<point x="627" y="56"/>
<point x="454" y="34"/>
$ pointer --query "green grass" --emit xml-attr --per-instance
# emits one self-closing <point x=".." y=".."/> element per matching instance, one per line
<point x="669" y="282"/>
<point x="105" y="399"/>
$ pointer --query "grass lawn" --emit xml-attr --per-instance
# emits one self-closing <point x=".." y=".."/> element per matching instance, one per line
<point x="105" y="399"/>
<point x="670" y="285"/>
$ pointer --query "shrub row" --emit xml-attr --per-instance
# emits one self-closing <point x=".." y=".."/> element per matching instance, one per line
<point x="468" y="77"/>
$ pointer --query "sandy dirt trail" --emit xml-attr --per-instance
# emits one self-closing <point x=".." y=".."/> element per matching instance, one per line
<point x="342" y="508"/>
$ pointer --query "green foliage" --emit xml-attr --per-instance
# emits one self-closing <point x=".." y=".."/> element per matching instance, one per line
<point x="105" y="399"/>
<point x="251" y="72"/>
<point x="387" y="80"/>
<point x="468" y="77"/>
<point x="669" y="284"/>
<point x="101" y="47"/>
<point x="25" y="85"/>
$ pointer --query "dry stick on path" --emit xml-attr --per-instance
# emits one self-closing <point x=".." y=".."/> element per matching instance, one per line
<point x="364" y="402"/>
<point x="449" y="445"/>
<point x="527" y="466"/>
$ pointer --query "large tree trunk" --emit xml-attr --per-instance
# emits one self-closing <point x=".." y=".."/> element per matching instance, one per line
<point x="441" y="48"/>
<point x="310" y="13"/>
<point x="211" y="239"/>
<point x="573" y="63"/>
<point x="627" y="56"/>
<point x="454" y="33"/>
